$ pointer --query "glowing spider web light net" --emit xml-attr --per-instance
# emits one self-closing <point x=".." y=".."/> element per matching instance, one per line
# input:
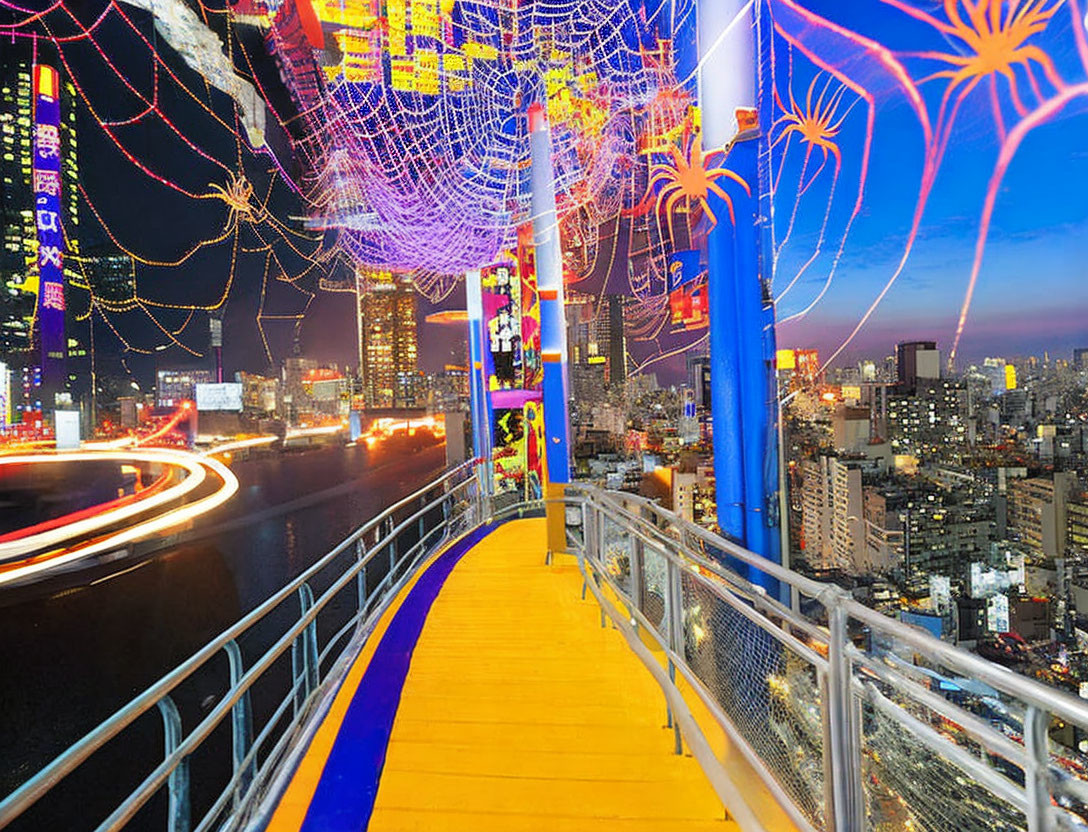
<point x="177" y="118"/>
<point x="418" y="118"/>
<point x="407" y="142"/>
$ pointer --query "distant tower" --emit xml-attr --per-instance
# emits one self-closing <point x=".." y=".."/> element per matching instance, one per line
<point x="915" y="360"/>
<point x="39" y="203"/>
<point x="611" y="340"/>
<point x="215" y="331"/>
<point x="388" y="351"/>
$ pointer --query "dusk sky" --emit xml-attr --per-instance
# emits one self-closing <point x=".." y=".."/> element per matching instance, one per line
<point x="1031" y="292"/>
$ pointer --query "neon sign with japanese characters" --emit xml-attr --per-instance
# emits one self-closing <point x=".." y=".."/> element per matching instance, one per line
<point x="47" y="192"/>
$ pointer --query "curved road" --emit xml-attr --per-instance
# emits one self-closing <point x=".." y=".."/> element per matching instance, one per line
<point x="75" y="648"/>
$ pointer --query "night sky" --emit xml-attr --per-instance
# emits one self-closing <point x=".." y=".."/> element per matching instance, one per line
<point x="1031" y="293"/>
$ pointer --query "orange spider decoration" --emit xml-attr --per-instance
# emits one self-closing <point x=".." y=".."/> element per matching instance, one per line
<point x="995" y="43"/>
<point x="238" y="196"/>
<point x="689" y="178"/>
<point x="816" y="123"/>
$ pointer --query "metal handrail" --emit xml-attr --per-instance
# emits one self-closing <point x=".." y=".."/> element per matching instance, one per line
<point x="723" y="786"/>
<point x="27" y="794"/>
<point x="847" y="681"/>
<point x="850" y="679"/>
<point x="1064" y="705"/>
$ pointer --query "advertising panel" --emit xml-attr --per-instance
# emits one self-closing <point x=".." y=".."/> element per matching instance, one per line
<point x="47" y="193"/>
<point x="532" y="366"/>
<point x="508" y="444"/>
<point x="5" y="397"/>
<point x="689" y="305"/>
<point x="226" y="396"/>
<point x="534" y="450"/>
<point x="514" y="369"/>
<point x="66" y="424"/>
<point x="501" y="291"/>
<point x="683" y="268"/>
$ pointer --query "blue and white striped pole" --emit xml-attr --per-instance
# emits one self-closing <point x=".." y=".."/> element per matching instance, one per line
<point x="743" y="397"/>
<point x="481" y="412"/>
<point x="549" y="275"/>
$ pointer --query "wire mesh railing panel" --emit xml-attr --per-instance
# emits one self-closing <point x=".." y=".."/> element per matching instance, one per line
<point x="769" y="693"/>
<point x="907" y="785"/>
<point x="616" y="552"/>
<point x="654" y="588"/>
<point x="983" y="726"/>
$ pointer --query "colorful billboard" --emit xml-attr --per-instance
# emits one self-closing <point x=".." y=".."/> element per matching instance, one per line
<point x="683" y="268"/>
<point x="514" y="369"/>
<point x="532" y="365"/>
<point x="501" y="290"/>
<point x="47" y="192"/>
<point x="689" y="306"/>
<point x="224" y="396"/>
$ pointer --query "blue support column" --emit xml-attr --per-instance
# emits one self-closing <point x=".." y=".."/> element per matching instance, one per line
<point x="758" y="409"/>
<point x="481" y="415"/>
<point x="744" y="402"/>
<point x="549" y="273"/>
<point x="725" y="378"/>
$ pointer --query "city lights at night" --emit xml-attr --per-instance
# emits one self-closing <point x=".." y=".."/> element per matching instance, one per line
<point x="544" y="414"/>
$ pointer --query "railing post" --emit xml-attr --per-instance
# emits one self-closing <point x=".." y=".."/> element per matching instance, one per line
<point x="360" y="579"/>
<point x="589" y="533"/>
<point x="304" y="652"/>
<point x="390" y="523"/>
<point x="447" y="512"/>
<point x="601" y="543"/>
<point x="177" y="819"/>
<point x="1036" y="726"/>
<point x="674" y="624"/>
<point x="844" y="728"/>
<point x="241" y="724"/>
<point x="637" y="554"/>
<point x="422" y="517"/>
<point x="825" y="737"/>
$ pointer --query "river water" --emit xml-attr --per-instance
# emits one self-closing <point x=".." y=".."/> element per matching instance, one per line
<point x="72" y="655"/>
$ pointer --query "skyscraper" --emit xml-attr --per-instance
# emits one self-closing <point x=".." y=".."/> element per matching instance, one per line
<point x="39" y="217"/>
<point x="916" y="360"/>
<point x="18" y="257"/>
<point x="388" y="349"/>
<point x="607" y="332"/>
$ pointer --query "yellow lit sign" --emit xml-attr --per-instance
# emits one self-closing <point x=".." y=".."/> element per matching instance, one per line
<point x="786" y="360"/>
<point x="849" y="392"/>
<point x="596" y="359"/>
<point x="47" y="81"/>
<point x="1010" y="377"/>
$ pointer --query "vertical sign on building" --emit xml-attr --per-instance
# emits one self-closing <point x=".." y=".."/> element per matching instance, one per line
<point x="47" y="189"/>
<point x="5" y="397"/>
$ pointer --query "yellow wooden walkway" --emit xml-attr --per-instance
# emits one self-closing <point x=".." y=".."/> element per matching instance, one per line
<point x="519" y="712"/>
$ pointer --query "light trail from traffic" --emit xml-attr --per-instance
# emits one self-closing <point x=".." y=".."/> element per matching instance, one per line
<point x="385" y="427"/>
<point x="240" y="444"/>
<point x="197" y="470"/>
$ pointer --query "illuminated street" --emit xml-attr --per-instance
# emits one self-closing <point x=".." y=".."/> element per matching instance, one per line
<point x="90" y="637"/>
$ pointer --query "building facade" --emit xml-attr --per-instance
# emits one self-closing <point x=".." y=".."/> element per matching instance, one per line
<point x="39" y="225"/>
<point x="388" y="347"/>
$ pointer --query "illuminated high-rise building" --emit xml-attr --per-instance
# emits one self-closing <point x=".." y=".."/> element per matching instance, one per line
<point x="612" y="340"/>
<point x="388" y="351"/>
<point x="39" y="219"/>
<point x="18" y="256"/>
<point x="916" y="360"/>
